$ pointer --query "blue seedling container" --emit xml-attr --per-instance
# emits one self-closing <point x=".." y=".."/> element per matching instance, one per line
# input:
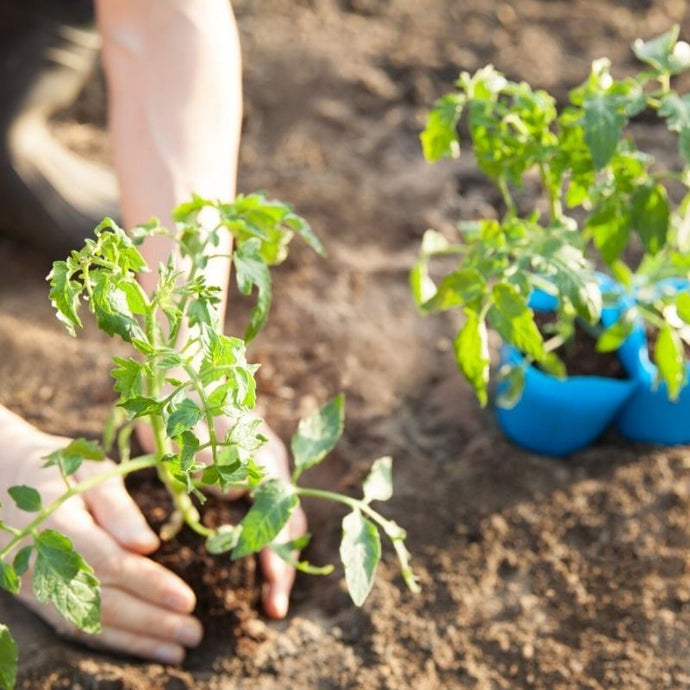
<point x="649" y="416"/>
<point x="557" y="417"/>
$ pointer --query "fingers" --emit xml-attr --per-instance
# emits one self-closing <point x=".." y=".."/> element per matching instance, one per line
<point x="129" y="628"/>
<point x="127" y="613"/>
<point x="117" y="513"/>
<point x="279" y="576"/>
<point x="117" y="567"/>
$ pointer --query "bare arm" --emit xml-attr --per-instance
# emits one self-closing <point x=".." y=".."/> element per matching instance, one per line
<point x="174" y="76"/>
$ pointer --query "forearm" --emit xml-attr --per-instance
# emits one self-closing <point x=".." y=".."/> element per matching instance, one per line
<point x="174" y="79"/>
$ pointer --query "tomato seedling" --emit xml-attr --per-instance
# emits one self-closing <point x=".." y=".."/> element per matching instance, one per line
<point x="602" y="201"/>
<point x="193" y="386"/>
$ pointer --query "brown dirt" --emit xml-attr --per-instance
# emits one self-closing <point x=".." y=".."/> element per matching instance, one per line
<point x="579" y="354"/>
<point x="536" y="573"/>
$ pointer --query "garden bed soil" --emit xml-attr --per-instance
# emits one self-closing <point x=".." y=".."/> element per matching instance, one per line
<point x="535" y="573"/>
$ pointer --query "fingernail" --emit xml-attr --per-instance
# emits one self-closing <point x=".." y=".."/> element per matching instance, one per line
<point x="188" y="634"/>
<point x="178" y="602"/>
<point x="168" y="654"/>
<point x="279" y="600"/>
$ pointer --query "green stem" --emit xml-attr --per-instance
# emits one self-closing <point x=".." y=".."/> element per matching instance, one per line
<point x="213" y="439"/>
<point x="555" y="208"/>
<point x="178" y="492"/>
<point x="665" y="81"/>
<point x="507" y="197"/>
<point x="353" y="503"/>
<point x="125" y="468"/>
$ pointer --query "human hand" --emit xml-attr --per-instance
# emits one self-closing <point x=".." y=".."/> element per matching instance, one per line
<point x="145" y="609"/>
<point x="273" y="457"/>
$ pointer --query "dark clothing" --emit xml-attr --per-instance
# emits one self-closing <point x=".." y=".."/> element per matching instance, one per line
<point x="47" y="53"/>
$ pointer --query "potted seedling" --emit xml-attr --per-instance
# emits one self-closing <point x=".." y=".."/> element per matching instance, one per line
<point x="602" y="247"/>
<point x="182" y="387"/>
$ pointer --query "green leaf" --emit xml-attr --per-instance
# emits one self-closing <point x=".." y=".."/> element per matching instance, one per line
<point x="462" y="287"/>
<point x="378" y="485"/>
<point x="62" y="576"/>
<point x="252" y="271"/>
<point x="514" y="321"/>
<point x="552" y="364"/>
<point x="138" y="406"/>
<point x="189" y="445"/>
<point x="422" y="286"/>
<point x="183" y="417"/>
<point x="112" y="311"/>
<point x="317" y="435"/>
<point x="614" y="336"/>
<point x="70" y="458"/>
<point x="676" y="110"/>
<point x="304" y="230"/>
<point x="9" y="578"/>
<point x="440" y="138"/>
<point x="64" y="296"/>
<point x="8" y="659"/>
<point x="224" y="539"/>
<point x="610" y="228"/>
<point x="650" y="216"/>
<point x="274" y="503"/>
<point x="360" y="552"/>
<point x="471" y="349"/>
<point x="669" y="357"/>
<point x="603" y="127"/>
<point x="128" y="376"/>
<point x="683" y="306"/>
<point x="684" y="144"/>
<point x="21" y="560"/>
<point x="26" y="498"/>
<point x="657" y="51"/>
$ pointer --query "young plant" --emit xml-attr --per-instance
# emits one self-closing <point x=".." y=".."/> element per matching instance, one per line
<point x="601" y="202"/>
<point x="192" y="385"/>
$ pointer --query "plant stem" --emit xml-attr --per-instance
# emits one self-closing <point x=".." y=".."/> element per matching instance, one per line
<point x="213" y="439"/>
<point x="507" y="197"/>
<point x="354" y="503"/>
<point x="121" y="470"/>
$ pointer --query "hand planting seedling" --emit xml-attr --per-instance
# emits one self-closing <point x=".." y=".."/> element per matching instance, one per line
<point x="183" y="377"/>
<point x="601" y="201"/>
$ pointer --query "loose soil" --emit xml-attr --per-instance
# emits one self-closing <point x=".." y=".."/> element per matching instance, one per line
<point x="579" y="354"/>
<point x="535" y="573"/>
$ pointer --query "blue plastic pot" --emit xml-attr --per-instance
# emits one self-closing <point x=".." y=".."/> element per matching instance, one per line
<point x="558" y="417"/>
<point x="649" y="416"/>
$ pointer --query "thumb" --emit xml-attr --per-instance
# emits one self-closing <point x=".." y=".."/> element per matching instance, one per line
<point x="279" y="576"/>
<point x="116" y="512"/>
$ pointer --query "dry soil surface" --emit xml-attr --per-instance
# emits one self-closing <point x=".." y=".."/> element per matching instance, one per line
<point x="535" y="573"/>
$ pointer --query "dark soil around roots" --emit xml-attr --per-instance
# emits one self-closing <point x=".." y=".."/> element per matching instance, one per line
<point x="535" y="573"/>
<point x="579" y="353"/>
